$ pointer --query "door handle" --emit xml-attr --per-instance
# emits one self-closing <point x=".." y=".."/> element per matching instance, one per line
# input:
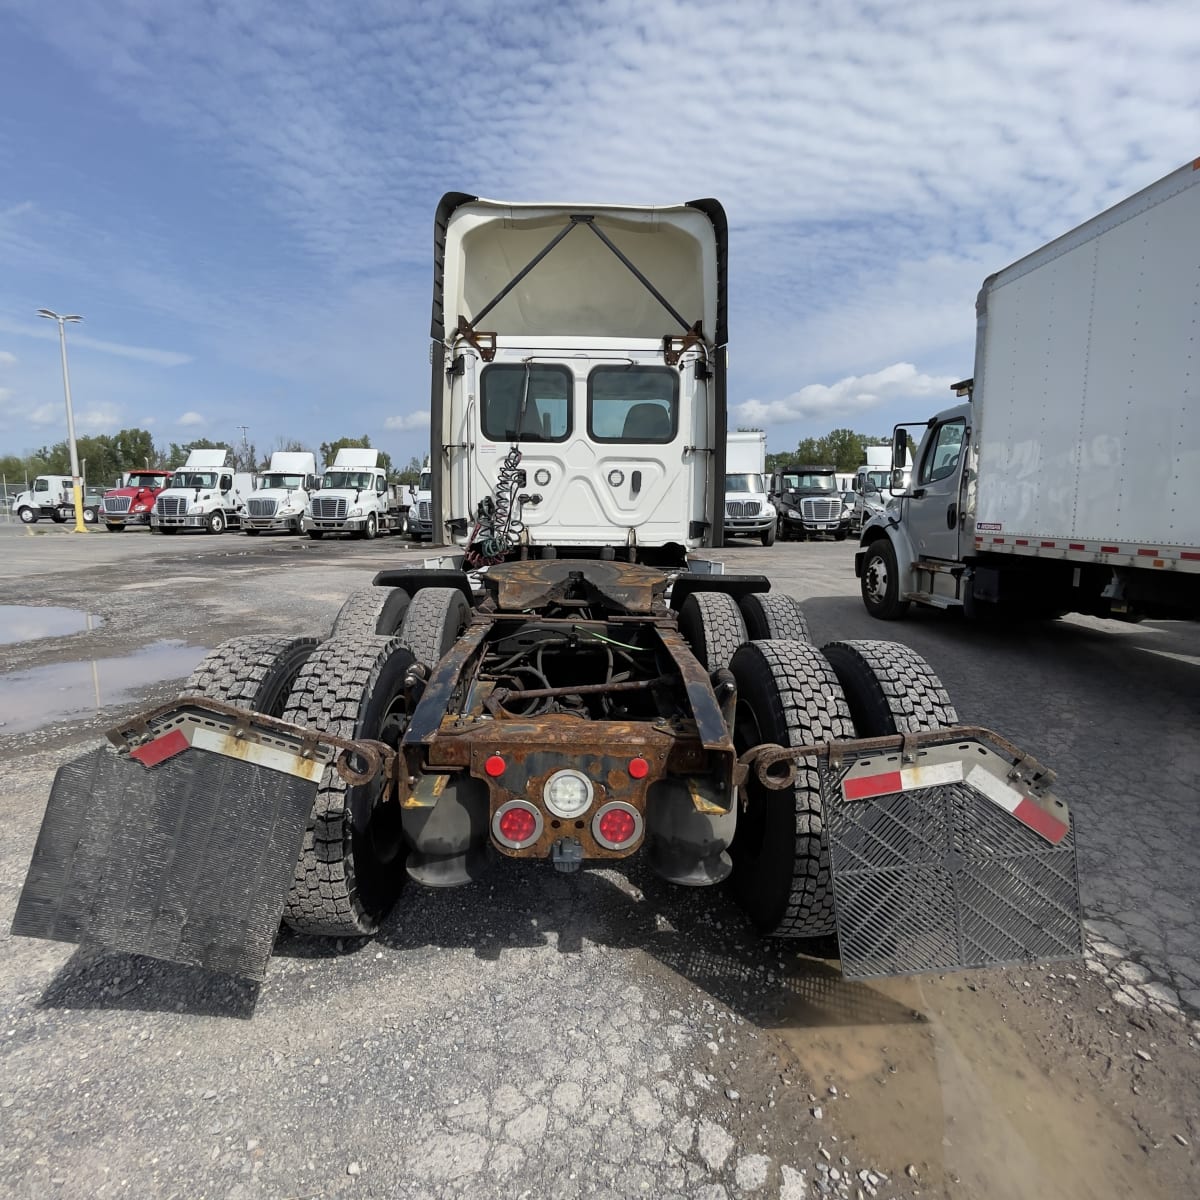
<point x="916" y="495"/>
<point x="952" y="516"/>
<point x="635" y="483"/>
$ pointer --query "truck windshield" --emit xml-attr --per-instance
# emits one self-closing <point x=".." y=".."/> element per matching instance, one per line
<point x="809" y="482"/>
<point x="425" y="483"/>
<point x="347" y="479"/>
<point x="744" y="483"/>
<point x="141" y="480"/>
<point x="196" y="479"/>
<point x="877" y="481"/>
<point x="275" y="480"/>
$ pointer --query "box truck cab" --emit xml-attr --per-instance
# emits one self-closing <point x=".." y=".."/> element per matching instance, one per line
<point x="281" y="494"/>
<point x="48" y="494"/>
<point x="354" y="498"/>
<point x="748" y="508"/>
<point x="205" y="493"/>
<point x="131" y="502"/>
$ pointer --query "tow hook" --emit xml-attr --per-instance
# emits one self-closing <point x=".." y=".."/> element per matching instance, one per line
<point x="567" y="855"/>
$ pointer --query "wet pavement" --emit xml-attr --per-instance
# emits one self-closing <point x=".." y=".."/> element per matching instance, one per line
<point x="27" y="622"/>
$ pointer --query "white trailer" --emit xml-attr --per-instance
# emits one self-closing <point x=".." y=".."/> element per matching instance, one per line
<point x="748" y="508"/>
<point x="1069" y="480"/>
<point x="281" y="493"/>
<point x="354" y="498"/>
<point x="205" y="493"/>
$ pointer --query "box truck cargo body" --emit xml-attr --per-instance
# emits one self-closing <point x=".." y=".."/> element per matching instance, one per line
<point x="1070" y="479"/>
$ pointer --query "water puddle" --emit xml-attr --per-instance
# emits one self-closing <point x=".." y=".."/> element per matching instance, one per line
<point x="27" y="622"/>
<point x="40" y="696"/>
<point x="930" y="1075"/>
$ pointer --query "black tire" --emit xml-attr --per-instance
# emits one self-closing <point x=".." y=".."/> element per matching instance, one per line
<point x="881" y="582"/>
<point x="435" y="618"/>
<point x="711" y="623"/>
<point x="841" y="537"/>
<point x="316" y="534"/>
<point x="89" y="516"/>
<point x="789" y="695"/>
<point x="768" y="536"/>
<point x="351" y="866"/>
<point x="774" y="616"/>
<point x="169" y="529"/>
<point x="371" y="529"/>
<point x="255" y="672"/>
<point x="371" y="610"/>
<point x="27" y="515"/>
<point x="890" y="688"/>
<point x="114" y="528"/>
<point x="216" y="522"/>
<point x="250" y="532"/>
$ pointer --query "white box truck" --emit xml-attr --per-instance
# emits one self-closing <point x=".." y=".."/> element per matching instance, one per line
<point x="1069" y="479"/>
<point x="205" y="493"/>
<point x="281" y="493"/>
<point x="748" y="508"/>
<point x="354" y="498"/>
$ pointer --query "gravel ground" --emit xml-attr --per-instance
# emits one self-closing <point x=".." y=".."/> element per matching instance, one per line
<point x="603" y="1034"/>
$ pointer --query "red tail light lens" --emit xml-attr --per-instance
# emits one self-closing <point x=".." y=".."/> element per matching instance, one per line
<point x="517" y="825"/>
<point x="617" y="826"/>
<point x="494" y="766"/>
<point x="639" y="768"/>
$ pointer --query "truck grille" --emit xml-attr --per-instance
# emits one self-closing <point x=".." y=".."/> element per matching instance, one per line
<point x="329" y="509"/>
<point x="742" y="508"/>
<point x="171" y="506"/>
<point x="821" y="510"/>
<point x="423" y="511"/>
<point x="116" y="504"/>
<point x="261" y="508"/>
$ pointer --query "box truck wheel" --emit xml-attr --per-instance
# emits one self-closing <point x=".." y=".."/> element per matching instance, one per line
<point x="435" y="618"/>
<point x="712" y="625"/>
<point x="371" y="610"/>
<point x="774" y="615"/>
<point x="881" y="582"/>
<point x="351" y="866"/>
<point x="889" y="688"/>
<point x="216" y="522"/>
<point x="255" y="672"/>
<point x="788" y="695"/>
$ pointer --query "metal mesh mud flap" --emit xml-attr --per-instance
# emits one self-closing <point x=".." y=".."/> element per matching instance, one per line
<point x="188" y="860"/>
<point x="937" y="876"/>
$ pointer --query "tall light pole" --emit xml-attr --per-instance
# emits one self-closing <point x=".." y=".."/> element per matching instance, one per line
<point x="80" y="527"/>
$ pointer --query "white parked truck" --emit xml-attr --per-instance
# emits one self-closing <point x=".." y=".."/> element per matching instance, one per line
<point x="354" y="498"/>
<point x="205" y="493"/>
<point x="748" y="508"/>
<point x="49" y="494"/>
<point x="281" y="493"/>
<point x="420" y="513"/>
<point x="585" y="692"/>
<point x="1069" y="479"/>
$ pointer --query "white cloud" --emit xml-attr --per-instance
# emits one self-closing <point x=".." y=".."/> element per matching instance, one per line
<point x="47" y="414"/>
<point x="148" y="422"/>
<point x="7" y="359"/>
<point x="76" y="340"/>
<point x="845" y="399"/>
<point x="409" y="421"/>
<point x="191" y="419"/>
<point x="5" y="393"/>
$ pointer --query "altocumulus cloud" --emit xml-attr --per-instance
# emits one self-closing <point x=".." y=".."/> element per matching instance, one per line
<point x="852" y="395"/>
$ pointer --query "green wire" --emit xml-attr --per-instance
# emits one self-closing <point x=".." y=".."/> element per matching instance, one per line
<point x="602" y="638"/>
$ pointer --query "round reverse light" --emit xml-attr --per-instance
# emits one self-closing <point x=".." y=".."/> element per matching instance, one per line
<point x="616" y="478"/>
<point x="517" y="824"/>
<point x="568" y="793"/>
<point x="617" y="826"/>
<point x="541" y="477"/>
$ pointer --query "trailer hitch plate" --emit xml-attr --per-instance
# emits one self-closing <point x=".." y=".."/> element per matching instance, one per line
<point x="176" y="852"/>
<point x="945" y="859"/>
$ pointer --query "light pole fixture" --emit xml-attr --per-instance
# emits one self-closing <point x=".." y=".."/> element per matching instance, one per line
<point x="76" y="481"/>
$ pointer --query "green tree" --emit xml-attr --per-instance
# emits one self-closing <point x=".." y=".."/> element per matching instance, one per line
<point x="134" y="448"/>
<point x="411" y="472"/>
<point x="329" y="451"/>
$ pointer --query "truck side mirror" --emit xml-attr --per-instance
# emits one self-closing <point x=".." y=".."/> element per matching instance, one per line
<point x="897" y="484"/>
<point x="899" y="447"/>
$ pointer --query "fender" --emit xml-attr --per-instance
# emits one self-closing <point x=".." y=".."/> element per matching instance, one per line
<point x="896" y="534"/>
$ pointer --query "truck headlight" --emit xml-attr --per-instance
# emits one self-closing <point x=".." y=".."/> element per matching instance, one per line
<point x="140" y="507"/>
<point x="195" y="508"/>
<point x="568" y="794"/>
<point x="768" y="510"/>
<point x="356" y="511"/>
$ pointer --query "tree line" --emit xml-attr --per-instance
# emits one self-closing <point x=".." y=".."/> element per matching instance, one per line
<point x="843" y="449"/>
<point x="103" y="457"/>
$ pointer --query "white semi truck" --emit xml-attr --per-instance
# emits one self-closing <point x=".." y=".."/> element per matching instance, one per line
<point x="571" y="686"/>
<point x="354" y="498"/>
<point x="48" y="495"/>
<point x="205" y="493"/>
<point x="420" y="513"/>
<point x="748" y="508"/>
<point x="281" y="494"/>
<point x="1069" y="478"/>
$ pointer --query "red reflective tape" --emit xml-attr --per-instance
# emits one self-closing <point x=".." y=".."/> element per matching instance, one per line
<point x="1147" y="553"/>
<point x="1022" y="542"/>
<point x="1047" y="545"/>
<point x="997" y="541"/>
<point x="873" y="785"/>
<point x="1193" y="555"/>
<point x="1076" y="546"/>
<point x="1040" y="821"/>
<point x="1110" y="549"/>
<point x="159" y="750"/>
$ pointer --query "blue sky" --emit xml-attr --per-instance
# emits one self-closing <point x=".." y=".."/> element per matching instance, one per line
<point x="239" y="197"/>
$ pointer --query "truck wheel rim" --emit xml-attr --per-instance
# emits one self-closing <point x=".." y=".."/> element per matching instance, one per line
<point x="877" y="578"/>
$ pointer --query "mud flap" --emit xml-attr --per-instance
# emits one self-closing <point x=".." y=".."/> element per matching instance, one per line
<point x="944" y="860"/>
<point x="187" y="856"/>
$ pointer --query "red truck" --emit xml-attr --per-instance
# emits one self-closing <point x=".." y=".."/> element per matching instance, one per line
<point x="132" y="502"/>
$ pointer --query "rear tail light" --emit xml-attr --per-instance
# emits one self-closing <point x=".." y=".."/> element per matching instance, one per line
<point x="617" y="825"/>
<point x="517" y="824"/>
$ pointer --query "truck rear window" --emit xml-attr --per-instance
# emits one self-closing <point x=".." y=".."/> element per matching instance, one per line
<point x="633" y="404"/>
<point x="525" y="403"/>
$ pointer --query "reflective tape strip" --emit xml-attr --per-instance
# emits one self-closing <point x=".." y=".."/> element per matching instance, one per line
<point x="162" y="748"/>
<point x="907" y="780"/>
<point x="270" y="757"/>
<point x="1014" y="801"/>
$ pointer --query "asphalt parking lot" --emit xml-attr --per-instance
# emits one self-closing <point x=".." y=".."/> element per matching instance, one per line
<point x="601" y="1034"/>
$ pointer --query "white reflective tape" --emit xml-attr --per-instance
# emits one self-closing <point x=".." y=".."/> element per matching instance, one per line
<point x="984" y="781"/>
<point x="931" y="775"/>
<point x="270" y="757"/>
